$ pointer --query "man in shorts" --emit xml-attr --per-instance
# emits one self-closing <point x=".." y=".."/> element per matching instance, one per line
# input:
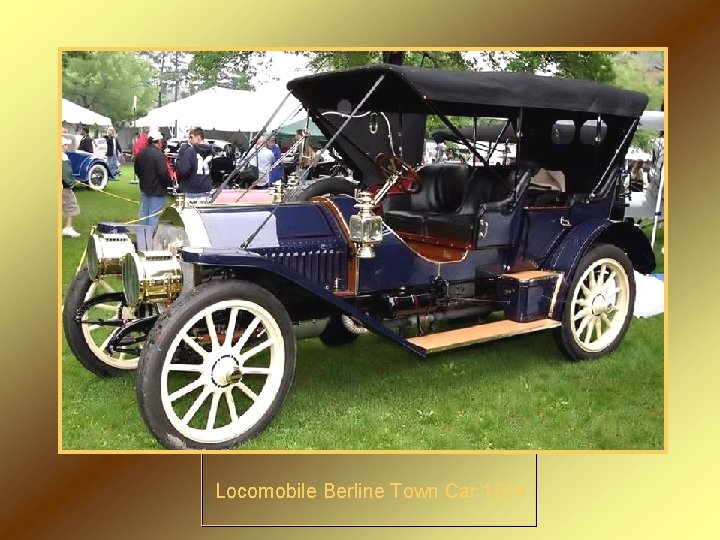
<point x="70" y="207"/>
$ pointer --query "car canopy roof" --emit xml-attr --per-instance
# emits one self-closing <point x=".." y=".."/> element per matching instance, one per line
<point x="409" y="89"/>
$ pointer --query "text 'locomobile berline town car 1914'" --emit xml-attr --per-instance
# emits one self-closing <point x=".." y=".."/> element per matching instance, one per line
<point x="208" y="304"/>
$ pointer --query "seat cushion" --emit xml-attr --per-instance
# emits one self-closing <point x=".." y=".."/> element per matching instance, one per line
<point x="455" y="227"/>
<point x="405" y="221"/>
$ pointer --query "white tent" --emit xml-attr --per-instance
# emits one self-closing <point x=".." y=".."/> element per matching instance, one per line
<point x="223" y="109"/>
<point x="75" y="114"/>
<point x="652" y="120"/>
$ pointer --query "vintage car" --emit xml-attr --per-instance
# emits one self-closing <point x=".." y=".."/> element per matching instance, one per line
<point x="89" y="169"/>
<point x="209" y="304"/>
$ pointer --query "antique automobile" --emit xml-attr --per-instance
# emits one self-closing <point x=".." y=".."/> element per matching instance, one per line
<point x="209" y="304"/>
<point x="89" y="169"/>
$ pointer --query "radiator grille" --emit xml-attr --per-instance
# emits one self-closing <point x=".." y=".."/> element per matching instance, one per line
<point x="326" y="267"/>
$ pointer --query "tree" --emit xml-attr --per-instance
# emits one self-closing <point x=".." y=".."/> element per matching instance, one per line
<point x="327" y="60"/>
<point x="171" y="68"/>
<point x="642" y="71"/>
<point x="589" y="65"/>
<point x="67" y="55"/>
<point x="106" y="82"/>
<point x="231" y="69"/>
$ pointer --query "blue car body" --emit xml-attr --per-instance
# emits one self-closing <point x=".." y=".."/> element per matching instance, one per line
<point x="89" y="169"/>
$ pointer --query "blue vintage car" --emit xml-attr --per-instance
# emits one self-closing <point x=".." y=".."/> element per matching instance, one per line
<point x="208" y="305"/>
<point x="89" y="169"/>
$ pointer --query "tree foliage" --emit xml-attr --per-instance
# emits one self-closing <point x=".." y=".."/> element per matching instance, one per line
<point x="171" y="70"/>
<point x="230" y="69"/>
<point x="106" y="82"/>
<point x="642" y="72"/>
<point x="67" y="55"/>
<point x="589" y="65"/>
<point x="329" y="60"/>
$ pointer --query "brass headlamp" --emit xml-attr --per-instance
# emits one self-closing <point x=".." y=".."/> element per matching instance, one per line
<point x="151" y="276"/>
<point x="105" y="253"/>
<point x="365" y="227"/>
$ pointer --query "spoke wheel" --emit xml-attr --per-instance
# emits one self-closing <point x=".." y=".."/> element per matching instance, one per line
<point x="217" y="367"/>
<point x="600" y="303"/>
<point x="88" y="338"/>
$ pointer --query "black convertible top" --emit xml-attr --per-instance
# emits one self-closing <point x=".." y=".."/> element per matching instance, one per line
<point x="409" y="89"/>
<point x="481" y="133"/>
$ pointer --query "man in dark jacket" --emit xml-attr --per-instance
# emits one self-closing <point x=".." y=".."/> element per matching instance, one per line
<point x="113" y="153"/>
<point x="86" y="143"/>
<point x="193" y="165"/>
<point x="151" y="169"/>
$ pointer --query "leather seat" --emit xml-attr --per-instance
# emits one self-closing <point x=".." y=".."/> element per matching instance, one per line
<point x="485" y="187"/>
<point x="443" y="186"/>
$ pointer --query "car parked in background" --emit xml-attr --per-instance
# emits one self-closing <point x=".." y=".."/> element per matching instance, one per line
<point x="100" y="147"/>
<point x="89" y="169"/>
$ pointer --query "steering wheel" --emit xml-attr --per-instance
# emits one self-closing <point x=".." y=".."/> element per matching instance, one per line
<point x="390" y="165"/>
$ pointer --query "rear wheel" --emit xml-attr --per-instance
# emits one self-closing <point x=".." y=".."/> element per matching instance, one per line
<point x="331" y="185"/>
<point x="217" y="366"/>
<point x="97" y="177"/>
<point x="599" y="305"/>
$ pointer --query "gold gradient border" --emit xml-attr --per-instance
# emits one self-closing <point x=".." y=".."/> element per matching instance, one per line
<point x="46" y="495"/>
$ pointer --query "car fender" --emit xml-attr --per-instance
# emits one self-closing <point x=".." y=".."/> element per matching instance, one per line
<point x="88" y="163"/>
<point x="566" y="256"/>
<point x="242" y="259"/>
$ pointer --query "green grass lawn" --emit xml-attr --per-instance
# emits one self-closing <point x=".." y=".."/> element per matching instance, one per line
<point x="517" y="393"/>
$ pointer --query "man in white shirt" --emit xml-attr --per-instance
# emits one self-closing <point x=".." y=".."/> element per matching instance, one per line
<point x="264" y="160"/>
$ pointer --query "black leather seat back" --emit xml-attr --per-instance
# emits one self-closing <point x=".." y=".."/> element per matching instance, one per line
<point x="450" y="186"/>
<point x="485" y="186"/>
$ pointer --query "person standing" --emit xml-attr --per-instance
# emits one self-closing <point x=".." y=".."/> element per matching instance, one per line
<point x="140" y="144"/>
<point x="637" y="176"/>
<point x="86" y="143"/>
<point x="73" y="140"/>
<point x="276" y="173"/>
<point x="113" y="153"/>
<point x="151" y="169"/>
<point x="193" y="165"/>
<point x="263" y="159"/>
<point x="70" y="207"/>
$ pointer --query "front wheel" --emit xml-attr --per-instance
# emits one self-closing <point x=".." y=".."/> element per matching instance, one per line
<point x="97" y="177"/>
<point x="599" y="305"/>
<point x="92" y="312"/>
<point x="216" y="367"/>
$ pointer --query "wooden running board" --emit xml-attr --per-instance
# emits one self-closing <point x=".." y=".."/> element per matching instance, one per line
<point x="462" y="337"/>
<point x="531" y="275"/>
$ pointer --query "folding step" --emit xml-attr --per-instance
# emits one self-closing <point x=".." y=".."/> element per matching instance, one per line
<point x="462" y="337"/>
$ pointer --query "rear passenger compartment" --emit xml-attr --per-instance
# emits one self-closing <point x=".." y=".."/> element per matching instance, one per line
<point x="447" y="206"/>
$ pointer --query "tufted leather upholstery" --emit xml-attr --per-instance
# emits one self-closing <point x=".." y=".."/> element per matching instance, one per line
<point x="449" y="203"/>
